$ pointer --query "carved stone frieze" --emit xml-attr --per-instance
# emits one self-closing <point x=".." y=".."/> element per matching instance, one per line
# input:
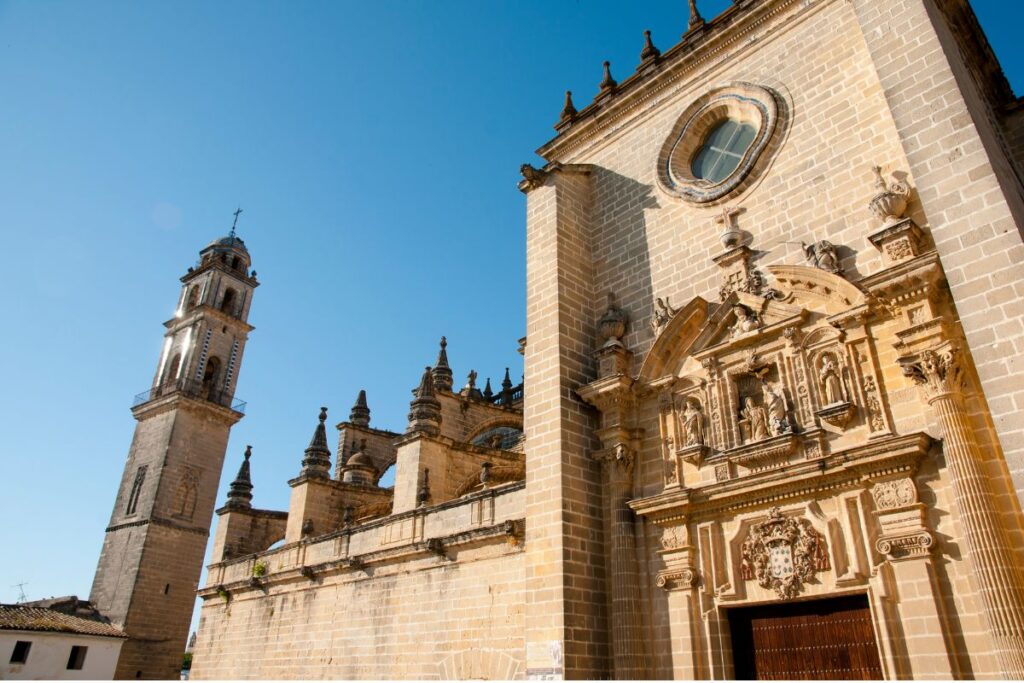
<point x="722" y="472"/>
<point x="782" y="553"/>
<point x="894" y="494"/>
<point x="674" y="537"/>
<point x="770" y="452"/>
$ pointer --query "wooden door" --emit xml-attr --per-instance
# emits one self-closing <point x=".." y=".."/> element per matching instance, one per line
<point x="820" y="639"/>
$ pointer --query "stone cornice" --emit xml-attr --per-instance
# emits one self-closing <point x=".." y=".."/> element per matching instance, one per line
<point x="717" y="41"/>
<point x="179" y="400"/>
<point x="206" y="310"/>
<point x="839" y="471"/>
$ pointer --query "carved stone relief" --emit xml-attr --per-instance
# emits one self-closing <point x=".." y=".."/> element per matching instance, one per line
<point x="893" y="494"/>
<point x="782" y="553"/>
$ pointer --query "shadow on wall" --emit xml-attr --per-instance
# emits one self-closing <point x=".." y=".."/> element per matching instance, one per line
<point x="621" y="252"/>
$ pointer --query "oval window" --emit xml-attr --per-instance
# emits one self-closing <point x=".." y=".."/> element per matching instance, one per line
<point x="722" y="150"/>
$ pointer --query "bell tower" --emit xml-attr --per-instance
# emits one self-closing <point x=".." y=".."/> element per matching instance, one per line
<point x="155" y="542"/>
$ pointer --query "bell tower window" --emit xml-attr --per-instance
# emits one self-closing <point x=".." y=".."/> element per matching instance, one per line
<point x="227" y="303"/>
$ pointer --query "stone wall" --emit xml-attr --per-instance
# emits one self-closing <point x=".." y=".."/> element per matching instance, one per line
<point x="435" y="593"/>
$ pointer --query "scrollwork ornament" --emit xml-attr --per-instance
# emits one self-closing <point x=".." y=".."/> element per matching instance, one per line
<point x="782" y="553"/>
<point x="893" y="494"/>
<point x="938" y="371"/>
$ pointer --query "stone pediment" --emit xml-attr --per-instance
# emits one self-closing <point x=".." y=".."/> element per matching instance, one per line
<point x="816" y="289"/>
<point x="743" y="320"/>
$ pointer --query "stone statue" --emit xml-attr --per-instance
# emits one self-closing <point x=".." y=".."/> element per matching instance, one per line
<point x="775" y="402"/>
<point x="830" y="382"/>
<point x="693" y="424"/>
<point x="746" y="321"/>
<point x="663" y="312"/>
<point x="757" y="420"/>
<point x="823" y="255"/>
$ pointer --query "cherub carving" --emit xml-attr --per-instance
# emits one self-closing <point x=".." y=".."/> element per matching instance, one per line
<point x="746" y="321"/>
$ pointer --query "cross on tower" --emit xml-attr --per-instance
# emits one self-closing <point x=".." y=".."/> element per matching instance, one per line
<point x="235" y="224"/>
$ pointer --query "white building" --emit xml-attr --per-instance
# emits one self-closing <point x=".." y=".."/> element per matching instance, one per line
<point x="62" y="639"/>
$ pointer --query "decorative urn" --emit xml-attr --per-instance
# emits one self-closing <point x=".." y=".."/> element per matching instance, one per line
<point x="890" y="203"/>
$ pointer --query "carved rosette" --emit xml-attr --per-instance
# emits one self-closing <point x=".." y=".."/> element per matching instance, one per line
<point x="938" y="371"/>
<point x="897" y="493"/>
<point x="783" y="553"/>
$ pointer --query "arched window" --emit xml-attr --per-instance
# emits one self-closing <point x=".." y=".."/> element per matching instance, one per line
<point x="211" y="372"/>
<point x="499" y="437"/>
<point x="234" y="263"/>
<point x="171" y="371"/>
<point x="193" y="298"/>
<point x="133" y="497"/>
<point x="188" y="492"/>
<point x="228" y="302"/>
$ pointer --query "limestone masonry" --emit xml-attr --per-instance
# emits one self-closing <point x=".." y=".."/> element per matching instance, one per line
<point x="769" y="424"/>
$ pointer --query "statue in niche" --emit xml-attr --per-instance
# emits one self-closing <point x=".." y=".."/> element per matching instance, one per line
<point x="693" y="424"/>
<point x="831" y="385"/>
<point x="823" y="255"/>
<point x="775" y="403"/>
<point x="663" y="312"/>
<point x="756" y="420"/>
<point x="746" y="321"/>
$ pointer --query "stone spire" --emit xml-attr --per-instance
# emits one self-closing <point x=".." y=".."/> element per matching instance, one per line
<point x="442" y="373"/>
<point x="317" y="461"/>
<point x="568" y="111"/>
<point x="240" y="493"/>
<point x="360" y="413"/>
<point x="425" y="409"/>
<point x="649" y="52"/>
<point x="488" y="392"/>
<point x="608" y="83"/>
<point x="696" y="20"/>
<point x="506" y="389"/>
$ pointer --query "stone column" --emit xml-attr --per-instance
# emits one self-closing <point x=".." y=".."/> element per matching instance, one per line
<point x="907" y="543"/>
<point x="626" y="625"/>
<point x="939" y="371"/>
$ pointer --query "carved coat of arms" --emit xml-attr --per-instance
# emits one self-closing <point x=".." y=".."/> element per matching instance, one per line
<point x="782" y="553"/>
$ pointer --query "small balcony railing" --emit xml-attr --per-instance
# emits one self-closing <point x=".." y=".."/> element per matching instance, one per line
<point x="192" y="389"/>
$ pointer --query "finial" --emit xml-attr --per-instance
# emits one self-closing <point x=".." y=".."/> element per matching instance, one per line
<point x="506" y="389"/>
<point x="696" y="20"/>
<point x="879" y="180"/>
<point x="317" y="460"/>
<point x="442" y="373"/>
<point x="488" y="392"/>
<point x="360" y="413"/>
<point x="240" y="492"/>
<point x="568" y="111"/>
<point x="425" y="409"/>
<point x="649" y="52"/>
<point x="507" y="382"/>
<point x="423" y="495"/>
<point x="235" y="223"/>
<point x="608" y="83"/>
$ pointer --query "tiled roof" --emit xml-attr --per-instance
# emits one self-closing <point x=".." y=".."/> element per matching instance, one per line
<point x="28" y="618"/>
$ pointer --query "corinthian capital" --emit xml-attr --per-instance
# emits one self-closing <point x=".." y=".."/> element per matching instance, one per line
<point x="939" y="371"/>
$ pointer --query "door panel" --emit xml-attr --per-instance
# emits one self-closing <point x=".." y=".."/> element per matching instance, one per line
<point x="821" y="639"/>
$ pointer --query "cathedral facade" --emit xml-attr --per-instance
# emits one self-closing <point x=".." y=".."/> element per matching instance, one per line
<point x="769" y="424"/>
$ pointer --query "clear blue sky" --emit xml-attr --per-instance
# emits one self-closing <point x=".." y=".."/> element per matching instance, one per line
<point x="374" y="147"/>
